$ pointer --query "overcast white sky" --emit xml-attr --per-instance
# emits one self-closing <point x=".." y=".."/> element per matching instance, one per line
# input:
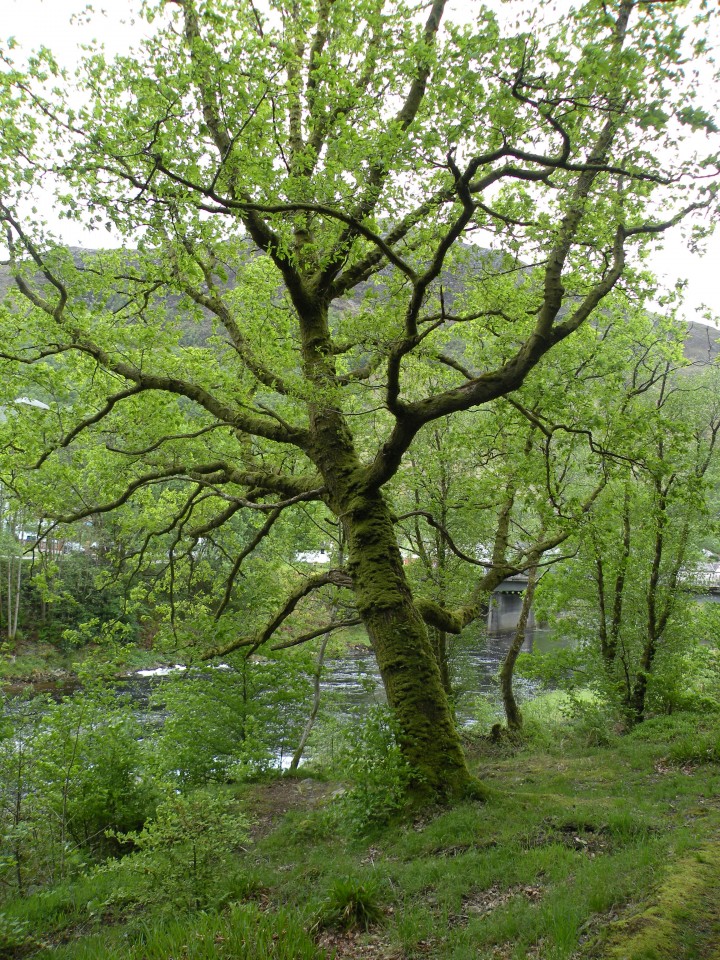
<point x="48" y="22"/>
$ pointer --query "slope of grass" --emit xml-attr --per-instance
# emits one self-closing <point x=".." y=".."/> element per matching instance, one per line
<point x="581" y="853"/>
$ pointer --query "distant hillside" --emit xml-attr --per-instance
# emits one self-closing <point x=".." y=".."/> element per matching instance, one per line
<point x="701" y="343"/>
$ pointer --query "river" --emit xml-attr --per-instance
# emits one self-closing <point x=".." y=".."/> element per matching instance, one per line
<point x="350" y="682"/>
<point x="353" y="680"/>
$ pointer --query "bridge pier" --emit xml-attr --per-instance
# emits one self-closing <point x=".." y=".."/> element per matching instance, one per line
<point x="505" y="606"/>
<point x="504" y="613"/>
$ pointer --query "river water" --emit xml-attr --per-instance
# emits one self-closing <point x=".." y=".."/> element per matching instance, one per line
<point x="351" y="681"/>
<point x="474" y="663"/>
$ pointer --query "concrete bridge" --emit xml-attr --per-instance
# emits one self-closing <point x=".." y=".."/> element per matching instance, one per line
<point x="506" y="603"/>
<point x="506" y="599"/>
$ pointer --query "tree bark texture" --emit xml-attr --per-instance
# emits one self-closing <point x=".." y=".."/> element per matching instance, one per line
<point x="513" y="714"/>
<point x="407" y="662"/>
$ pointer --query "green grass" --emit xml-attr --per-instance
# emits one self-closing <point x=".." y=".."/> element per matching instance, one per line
<point x="576" y="855"/>
<point x="243" y="932"/>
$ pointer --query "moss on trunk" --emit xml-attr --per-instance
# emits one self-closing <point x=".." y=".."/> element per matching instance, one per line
<point x="404" y="653"/>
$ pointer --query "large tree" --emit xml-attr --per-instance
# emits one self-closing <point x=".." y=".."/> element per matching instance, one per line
<point x="300" y="176"/>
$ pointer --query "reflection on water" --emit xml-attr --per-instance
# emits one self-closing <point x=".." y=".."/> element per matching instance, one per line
<point x="474" y="663"/>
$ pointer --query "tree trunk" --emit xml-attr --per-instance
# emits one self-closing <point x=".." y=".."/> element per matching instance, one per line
<point x="513" y="714"/>
<point x="310" y="723"/>
<point x="405" y="656"/>
<point x="636" y="703"/>
<point x="438" y="639"/>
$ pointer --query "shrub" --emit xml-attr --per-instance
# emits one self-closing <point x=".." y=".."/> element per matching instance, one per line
<point x="69" y="773"/>
<point x="230" y="724"/>
<point x="592" y="718"/>
<point x="186" y="857"/>
<point x="378" y="770"/>
<point x="351" y="903"/>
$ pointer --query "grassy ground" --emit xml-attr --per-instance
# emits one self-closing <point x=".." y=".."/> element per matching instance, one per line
<point x="583" y="852"/>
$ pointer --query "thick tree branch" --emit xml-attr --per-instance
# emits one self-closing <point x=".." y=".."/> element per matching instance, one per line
<point x="319" y="632"/>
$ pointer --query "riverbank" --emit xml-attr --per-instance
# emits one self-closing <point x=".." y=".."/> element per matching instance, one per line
<point x="582" y="852"/>
<point x="29" y="663"/>
<point x="31" y="667"/>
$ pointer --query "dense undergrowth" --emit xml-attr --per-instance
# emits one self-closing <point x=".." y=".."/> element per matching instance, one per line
<point x="582" y="852"/>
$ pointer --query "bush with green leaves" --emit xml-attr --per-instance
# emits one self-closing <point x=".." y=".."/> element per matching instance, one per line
<point x="687" y="679"/>
<point x="186" y="856"/>
<point x="69" y="773"/>
<point x="90" y="756"/>
<point x="374" y="763"/>
<point x="232" y="722"/>
<point x="595" y="720"/>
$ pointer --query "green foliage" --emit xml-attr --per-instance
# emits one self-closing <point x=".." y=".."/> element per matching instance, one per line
<point x="594" y="720"/>
<point x="482" y="707"/>
<point x="231" y="723"/>
<point x="689" y="678"/>
<point x="14" y="934"/>
<point x="627" y="595"/>
<point x="68" y="601"/>
<point x="697" y="748"/>
<point x="584" y="836"/>
<point x="89" y="753"/>
<point x="184" y="855"/>
<point x="690" y="739"/>
<point x="351" y="903"/>
<point x="379" y="773"/>
<point x="297" y="185"/>
<point x="70" y="772"/>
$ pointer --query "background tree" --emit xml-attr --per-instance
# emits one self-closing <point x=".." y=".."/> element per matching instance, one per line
<point x="628" y="592"/>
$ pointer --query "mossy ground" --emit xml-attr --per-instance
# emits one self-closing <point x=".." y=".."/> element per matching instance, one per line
<point x="682" y="918"/>
<point x="603" y="852"/>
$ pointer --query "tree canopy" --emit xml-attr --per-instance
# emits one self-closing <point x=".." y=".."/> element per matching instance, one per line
<point x="344" y="222"/>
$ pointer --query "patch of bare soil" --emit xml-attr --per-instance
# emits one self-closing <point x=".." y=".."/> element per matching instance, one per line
<point x="485" y="901"/>
<point x="269" y="802"/>
<point x="358" y="946"/>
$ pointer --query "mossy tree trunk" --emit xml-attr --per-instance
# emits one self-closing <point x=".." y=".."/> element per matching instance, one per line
<point x="405" y="657"/>
<point x="513" y="714"/>
<point x="439" y="641"/>
<point x="438" y="636"/>
<point x="407" y="662"/>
